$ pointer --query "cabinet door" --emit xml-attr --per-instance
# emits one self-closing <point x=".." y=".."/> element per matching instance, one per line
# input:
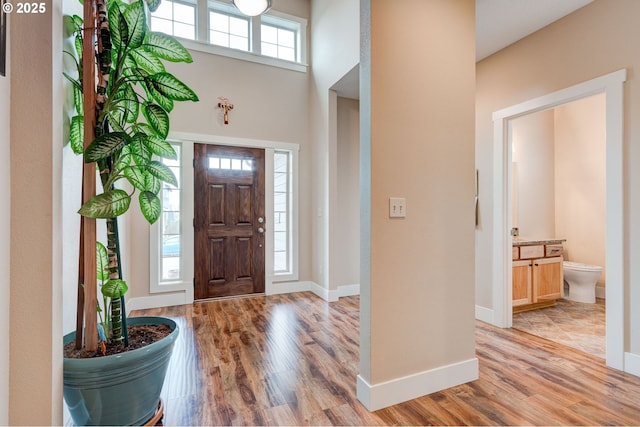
<point x="521" y="280"/>
<point x="547" y="279"/>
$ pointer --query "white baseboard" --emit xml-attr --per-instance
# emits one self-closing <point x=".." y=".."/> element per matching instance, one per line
<point x="348" y="290"/>
<point x="601" y="292"/>
<point x="388" y="393"/>
<point x="287" y="287"/>
<point x="632" y="364"/>
<point x="179" y="298"/>
<point x="484" y="314"/>
<point x="158" y="300"/>
<point x="324" y="293"/>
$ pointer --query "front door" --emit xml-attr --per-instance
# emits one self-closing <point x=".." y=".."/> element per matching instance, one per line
<point x="229" y="221"/>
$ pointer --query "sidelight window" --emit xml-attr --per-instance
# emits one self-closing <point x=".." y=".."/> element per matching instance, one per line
<point x="170" y="224"/>
<point x="282" y="212"/>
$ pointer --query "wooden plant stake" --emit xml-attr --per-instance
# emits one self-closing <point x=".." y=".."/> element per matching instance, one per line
<point x="88" y="231"/>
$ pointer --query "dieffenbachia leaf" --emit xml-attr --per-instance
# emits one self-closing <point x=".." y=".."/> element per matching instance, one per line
<point x="76" y="134"/>
<point x="157" y="118"/>
<point x="135" y="176"/>
<point x="127" y="99"/>
<point x="169" y="86"/>
<point x="153" y="5"/>
<point x="114" y="288"/>
<point x="78" y="100"/>
<point x="161" y="148"/>
<point x="151" y="183"/>
<point x="137" y="24"/>
<point x="147" y="61"/>
<point x="160" y="99"/>
<point x="166" y="47"/>
<point x="150" y="206"/>
<point x="102" y="262"/>
<point x="139" y="149"/>
<point x="162" y="172"/>
<point x="104" y="146"/>
<point x="109" y="204"/>
<point x="117" y="26"/>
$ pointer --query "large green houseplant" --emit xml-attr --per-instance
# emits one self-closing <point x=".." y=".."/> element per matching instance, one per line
<point x="122" y="95"/>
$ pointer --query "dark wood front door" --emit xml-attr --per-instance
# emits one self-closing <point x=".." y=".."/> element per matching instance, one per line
<point x="229" y="221"/>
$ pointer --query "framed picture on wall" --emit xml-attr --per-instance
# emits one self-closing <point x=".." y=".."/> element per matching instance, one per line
<point x="3" y="40"/>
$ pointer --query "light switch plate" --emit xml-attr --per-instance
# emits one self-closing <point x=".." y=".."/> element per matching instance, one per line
<point x="397" y="207"/>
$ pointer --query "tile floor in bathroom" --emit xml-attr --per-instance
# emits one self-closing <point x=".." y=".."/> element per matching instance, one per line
<point x="571" y="323"/>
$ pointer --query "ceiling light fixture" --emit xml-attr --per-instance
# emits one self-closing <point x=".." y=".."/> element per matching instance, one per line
<point x="252" y="7"/>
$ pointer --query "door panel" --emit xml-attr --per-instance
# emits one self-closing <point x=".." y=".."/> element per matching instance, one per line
<point x="547" y="279"/>
<point x="229" y="240"/>
<point x="521" y="280"/>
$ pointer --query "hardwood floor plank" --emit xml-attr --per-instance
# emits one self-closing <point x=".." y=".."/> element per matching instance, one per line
<point x="293" y="360"/>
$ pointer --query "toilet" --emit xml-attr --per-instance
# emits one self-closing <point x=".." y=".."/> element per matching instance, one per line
<point x="581" y="279"/>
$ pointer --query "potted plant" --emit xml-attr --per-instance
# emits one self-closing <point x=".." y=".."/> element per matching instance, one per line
<point x="122" y="96"/>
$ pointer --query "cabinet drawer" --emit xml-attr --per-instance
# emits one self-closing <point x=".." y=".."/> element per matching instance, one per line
<point x="536" y="251"/>
<point x="515" y="252"/>
<point x="552" y="250"/>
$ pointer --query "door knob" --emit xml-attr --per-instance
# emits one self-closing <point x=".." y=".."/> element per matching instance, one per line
<point x="260" y="220"/>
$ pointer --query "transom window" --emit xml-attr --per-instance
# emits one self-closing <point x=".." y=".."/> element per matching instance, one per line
<point x="174" y="17"/>
<point x="212" y="24"/>
<point x="228" y="30"/>
<point x="278" y="42"/>
<point x="231" y="163"/>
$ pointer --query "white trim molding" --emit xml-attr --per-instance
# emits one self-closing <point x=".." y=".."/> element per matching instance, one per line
<point x="612" y="85"/>
<point x="348" y="290"/>
<point x="329" y="295"/>
<point x="382" y="395"/>
<point x="484" y="314"/>
<point x="632" y="363"/>
<point x="159" y="300"/>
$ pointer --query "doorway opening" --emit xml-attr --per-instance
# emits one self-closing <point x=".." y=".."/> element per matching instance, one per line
<point x="558" y="169"/>
<point x="611" y="85"/>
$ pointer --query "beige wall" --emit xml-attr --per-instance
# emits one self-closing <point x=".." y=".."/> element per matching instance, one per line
<point x="580" y="193"/>
<point x="591" y="42"/>
<point x="335" y="50"/>
<point x="347" y="256"/>
<point x="5" y="230"/>
<point x="36" y="289"/>
<point x="417" y="302"/>
<point x="533" y="151"/>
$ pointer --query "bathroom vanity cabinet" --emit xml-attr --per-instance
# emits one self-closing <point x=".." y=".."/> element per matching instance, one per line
<point x="537" y="277"/>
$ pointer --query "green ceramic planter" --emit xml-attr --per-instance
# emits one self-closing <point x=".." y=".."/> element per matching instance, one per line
<point x="122" y="389"/>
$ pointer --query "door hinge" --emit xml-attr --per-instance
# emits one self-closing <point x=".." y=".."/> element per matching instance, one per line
<point x="194" y="223"/>
<point x="194" y="282"/>
<point x="193" y="163"/>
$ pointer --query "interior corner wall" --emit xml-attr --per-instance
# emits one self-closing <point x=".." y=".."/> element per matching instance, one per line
<point x="533" y="151"/>
<point x="580" y="180"/>
<point x="591" y="42"/>
<point x="346" y="268"/>
<point x="5" y="230"/>
<point x="35" y="322"/>
<point x="335" y="50"/>
<point x="420" y="134"/>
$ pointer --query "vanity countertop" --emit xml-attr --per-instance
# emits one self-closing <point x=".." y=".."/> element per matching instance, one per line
<point x="525" y="241"/>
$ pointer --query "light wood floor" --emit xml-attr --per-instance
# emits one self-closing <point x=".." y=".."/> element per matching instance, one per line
<point x="292" y="360"/>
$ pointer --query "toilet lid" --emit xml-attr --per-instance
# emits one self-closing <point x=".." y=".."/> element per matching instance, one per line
<point x="580" y="266"/>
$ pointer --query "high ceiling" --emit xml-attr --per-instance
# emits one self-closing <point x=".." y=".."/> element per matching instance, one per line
<point x="499" y="23"/>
